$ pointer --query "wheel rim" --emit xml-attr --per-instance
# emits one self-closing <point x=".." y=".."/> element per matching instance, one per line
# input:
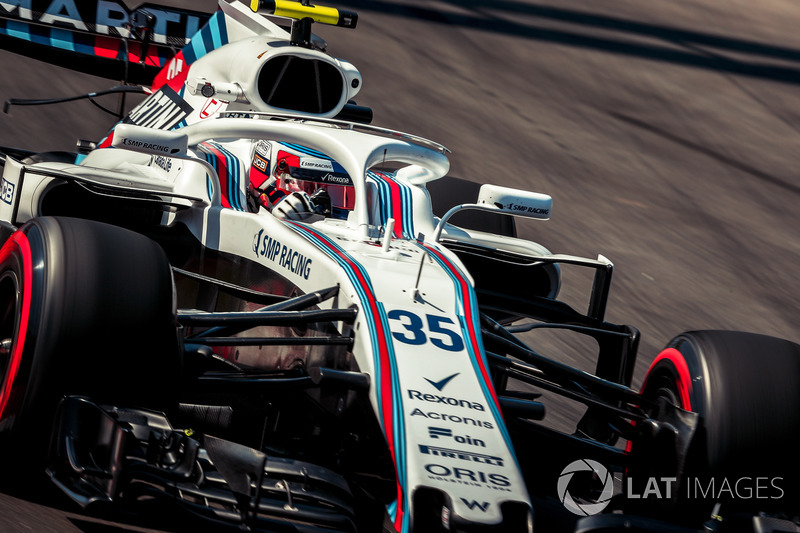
<point x="9" y="324"/>
<point x="664" y="386"/>
<point x="669" y="377"/>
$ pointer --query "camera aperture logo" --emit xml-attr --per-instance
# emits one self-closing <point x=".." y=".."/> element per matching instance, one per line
<point x="594" y="468"/>
<point x="579" y="488"/>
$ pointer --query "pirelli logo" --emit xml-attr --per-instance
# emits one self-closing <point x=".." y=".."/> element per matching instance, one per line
<point x="461" y="455"/>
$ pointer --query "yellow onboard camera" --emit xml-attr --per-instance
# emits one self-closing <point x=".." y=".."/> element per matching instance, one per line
<point x="301" y="11"/>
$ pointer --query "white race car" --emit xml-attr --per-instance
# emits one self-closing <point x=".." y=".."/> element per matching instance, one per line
<point x="241" y="302"/>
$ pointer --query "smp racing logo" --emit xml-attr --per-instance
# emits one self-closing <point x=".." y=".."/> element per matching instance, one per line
<point x="527" y="209"/>
<point x="280" y="254"/>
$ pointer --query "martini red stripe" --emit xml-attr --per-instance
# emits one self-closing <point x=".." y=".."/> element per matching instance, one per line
<point x="397" y="208"/>
<point x="468" y="314"/>
<point x="386" y="399"/>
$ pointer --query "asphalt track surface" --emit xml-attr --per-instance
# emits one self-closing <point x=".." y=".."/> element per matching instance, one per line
<point x="666" y="131"/>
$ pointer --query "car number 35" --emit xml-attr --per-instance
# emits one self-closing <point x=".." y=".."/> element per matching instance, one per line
<point x="414" y="330"/>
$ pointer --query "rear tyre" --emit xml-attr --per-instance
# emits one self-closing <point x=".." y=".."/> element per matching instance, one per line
<point x="746" y="389"/>
<point x="85" y="308"/>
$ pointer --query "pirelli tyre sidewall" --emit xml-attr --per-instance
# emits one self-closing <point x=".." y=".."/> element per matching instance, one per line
<point x="19" y="315"/>
<point x="89" y="309"/>
<point x="746" y="389"/>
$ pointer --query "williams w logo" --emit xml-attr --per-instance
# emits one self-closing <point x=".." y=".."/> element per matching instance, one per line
<point x="472" y="504"/>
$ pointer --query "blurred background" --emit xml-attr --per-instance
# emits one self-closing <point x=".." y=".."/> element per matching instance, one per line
<point x="666" y="131"/>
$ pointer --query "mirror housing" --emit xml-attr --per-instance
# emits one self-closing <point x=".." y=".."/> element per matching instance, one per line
<point x="516" y="202"/>
<point x="504" y="200"/>
<point x="150" y="140"/>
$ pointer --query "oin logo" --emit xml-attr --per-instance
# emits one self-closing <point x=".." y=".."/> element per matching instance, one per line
<point x="595" y="469"/>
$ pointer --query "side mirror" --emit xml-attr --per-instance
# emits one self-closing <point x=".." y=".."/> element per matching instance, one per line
<point x="516" y="202"/>
<point x="150" y="141"/>
<point x="504" y="200"/>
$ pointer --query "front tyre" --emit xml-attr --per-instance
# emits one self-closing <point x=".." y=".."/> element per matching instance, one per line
<point x="746" y="389"/>
<point x="85" y="308"/>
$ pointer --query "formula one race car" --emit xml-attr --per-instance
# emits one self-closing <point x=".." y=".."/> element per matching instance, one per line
<point x="241" y="304"/>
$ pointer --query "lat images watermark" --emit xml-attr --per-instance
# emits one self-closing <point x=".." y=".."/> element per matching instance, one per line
<point x="586" y="487"/>
<point x="597" y="471"/>
<point x="712" y="488"/>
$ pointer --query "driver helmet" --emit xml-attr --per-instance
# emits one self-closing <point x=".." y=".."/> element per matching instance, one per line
<point x="312" y="173"/>
<point x="297" y="168"/>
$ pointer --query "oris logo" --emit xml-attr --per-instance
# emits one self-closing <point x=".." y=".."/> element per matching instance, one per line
<point x="263" y="149"/>
<point x="468" y="476"/>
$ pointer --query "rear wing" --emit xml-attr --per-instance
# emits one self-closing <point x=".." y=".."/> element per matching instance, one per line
<point x="99" y="37"/>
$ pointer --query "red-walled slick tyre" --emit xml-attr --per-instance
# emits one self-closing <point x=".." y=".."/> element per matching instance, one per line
<point x="746" y="389"/>
<point x="85" y="308"/>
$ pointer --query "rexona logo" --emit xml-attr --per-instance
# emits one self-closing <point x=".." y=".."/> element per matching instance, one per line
<point x="442" y="383"/>
<point x="341" y="179"/>
<point x="468" y="476"/>
<point x="447" y="400"/>
<point x="461" y="455"/>
<point x="436" y="433"/>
